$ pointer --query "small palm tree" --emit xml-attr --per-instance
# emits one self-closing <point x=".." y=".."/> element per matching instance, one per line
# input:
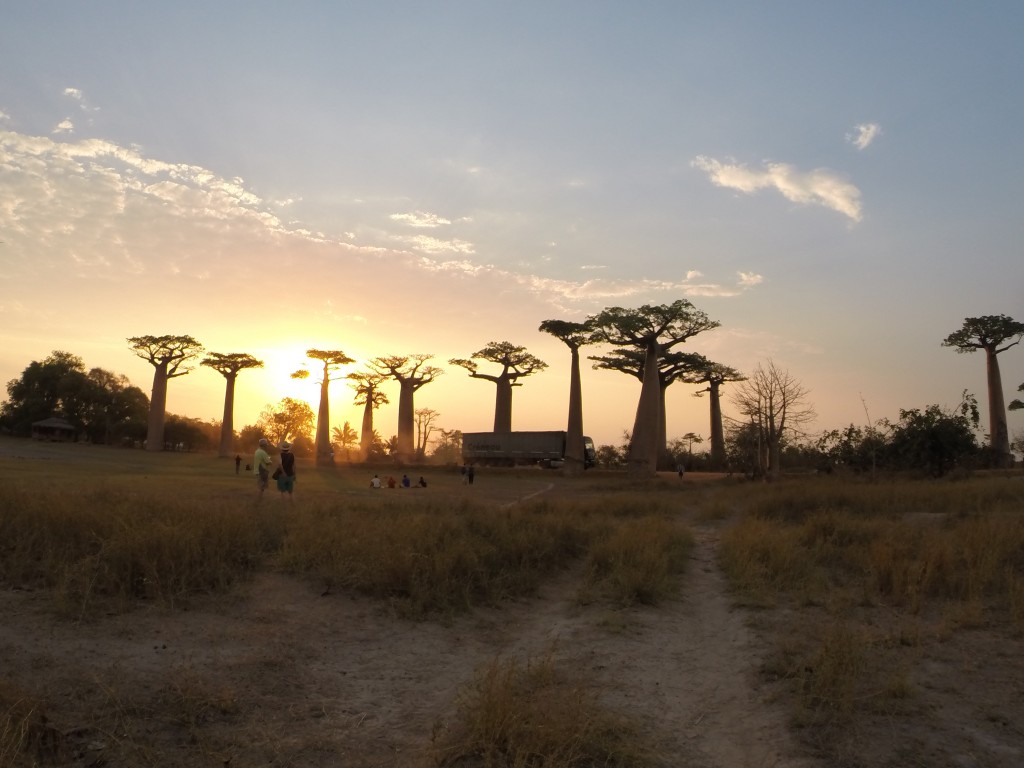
<point x="345" y="438"/>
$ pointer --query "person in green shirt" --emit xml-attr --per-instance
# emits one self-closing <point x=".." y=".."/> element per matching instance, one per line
<point x="261" y="466"/>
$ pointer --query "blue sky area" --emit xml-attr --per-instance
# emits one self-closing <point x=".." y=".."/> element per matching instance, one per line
<point x="837" y="184"/>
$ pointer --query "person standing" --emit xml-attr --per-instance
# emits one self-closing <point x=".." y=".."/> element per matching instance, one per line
<point x="470" y="474"/>
<point x="238" y="462"/>
<point x="286" y="478"/>
<point x="261" y="466"/>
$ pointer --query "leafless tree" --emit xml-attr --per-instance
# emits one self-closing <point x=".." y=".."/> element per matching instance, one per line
<point x="776" y="404"/>
<point x="425" y="418"/>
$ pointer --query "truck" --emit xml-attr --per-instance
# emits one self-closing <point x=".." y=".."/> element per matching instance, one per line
<point x="508" y="449"/>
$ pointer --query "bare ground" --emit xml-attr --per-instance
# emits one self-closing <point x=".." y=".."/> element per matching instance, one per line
<point x="281" y="674"/>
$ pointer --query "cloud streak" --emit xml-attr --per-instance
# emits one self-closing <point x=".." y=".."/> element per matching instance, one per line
<point x="864" y="134"/>
<point x="819" y="187"/>
<point x="420" y="220"/>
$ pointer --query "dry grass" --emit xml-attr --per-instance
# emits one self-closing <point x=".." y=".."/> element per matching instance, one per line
<point x="871" y="579"/>
<point x="110" y="546"/>
<point x="908" y="545"/>
<point x="531" y="715"/>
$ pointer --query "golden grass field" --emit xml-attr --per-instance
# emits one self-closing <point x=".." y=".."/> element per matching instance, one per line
<point x="158" y="613"/>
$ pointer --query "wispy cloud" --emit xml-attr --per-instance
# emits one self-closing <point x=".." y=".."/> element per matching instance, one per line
<point x="433" y="245"/>
<point x="108" y="211"/>
<point x="63" y="127"/>
<point x="420" y="220"/>
<point x="864" y="134"/>
<point x="820" y="186"/>
<point x="77" y="95"/>
<point x="613" y="290"/>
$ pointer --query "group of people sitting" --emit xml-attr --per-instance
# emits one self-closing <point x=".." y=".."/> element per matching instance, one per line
<point x="405" y="482"/>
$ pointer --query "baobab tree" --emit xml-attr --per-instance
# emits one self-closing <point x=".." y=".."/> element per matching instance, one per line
<point x="411" y="373"/>
<point x="332" y="360"/>
<point x="170" y="357"/>
<point x="714" y="375"/>
<point x="366" y="384"/>
<point x="228" y="365"/>
<point x="776" y="404"/>
<point x="994" y="334"/>
<point x="672" y="367"/>
<point x="654" y="330"/>
<point x="574" y="336"/>
<point x="516" y="363"/>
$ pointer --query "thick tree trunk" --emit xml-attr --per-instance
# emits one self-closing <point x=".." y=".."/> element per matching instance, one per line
<point x="324" y="455"/>
<point x="406" y="420"/>
<point x="227" y="424"/>
<point x="503" y="406"/>
<point x="157" y="409"/>
<point x="574" y="455"/>
<point x="999" y="433"/>
<point x="664" y="457"/>
<point x="366" y="436"/>
<point x="643" y="450"/>
<point x="717" y="430"/>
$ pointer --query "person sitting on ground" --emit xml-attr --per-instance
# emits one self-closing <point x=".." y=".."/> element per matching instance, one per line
<point x="375" y="482"/>
<point x="422" y="483"/>
<point x="391" y="482"/>
<point x="406" y="482"/>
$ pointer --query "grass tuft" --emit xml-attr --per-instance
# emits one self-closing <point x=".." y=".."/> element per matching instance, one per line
<point x="531" y="715"/>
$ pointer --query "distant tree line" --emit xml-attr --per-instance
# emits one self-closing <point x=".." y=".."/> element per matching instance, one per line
<point x="100" y="405"/>
<point x="773" y="406"/>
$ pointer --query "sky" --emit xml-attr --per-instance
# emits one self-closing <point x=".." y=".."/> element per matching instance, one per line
<point x="837" y="184"/>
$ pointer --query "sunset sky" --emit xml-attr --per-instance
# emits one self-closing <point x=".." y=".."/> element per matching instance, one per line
<point x="838" y="184"/>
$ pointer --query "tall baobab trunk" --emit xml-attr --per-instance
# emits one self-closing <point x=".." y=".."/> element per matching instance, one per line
<point x="574" y="456"/>
<point x="643" y="450"/>
<point x="324" y="454"/>
<point x="999" y="433"/>
<point x="503" y="406"/>
<point x="366" y="436"/>
<point x="717" y="430"/>
<point x="406" y="420"/>
<point x="157" y="409"/>
<point x="664" y="462"/>
<point x="227" y="424"/>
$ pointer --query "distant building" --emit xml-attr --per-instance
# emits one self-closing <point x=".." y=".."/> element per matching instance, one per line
<point x="53" y="429"/>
